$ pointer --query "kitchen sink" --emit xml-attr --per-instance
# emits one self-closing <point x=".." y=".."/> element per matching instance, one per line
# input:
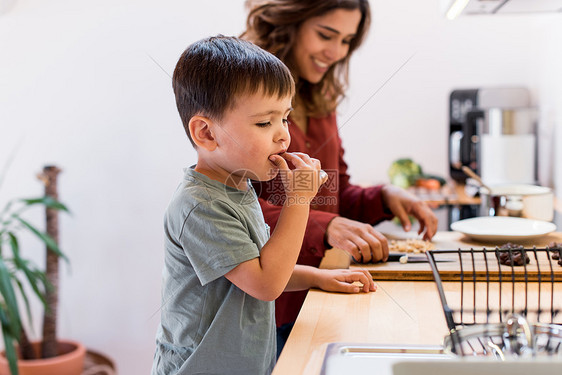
<point x="351" y="358"/>
<point x="347" y="358"/>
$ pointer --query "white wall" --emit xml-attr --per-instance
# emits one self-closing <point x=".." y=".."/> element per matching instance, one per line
<point x="85" y="85"/>
<point x="550" y="90"/>
<point x="408" y="117"/>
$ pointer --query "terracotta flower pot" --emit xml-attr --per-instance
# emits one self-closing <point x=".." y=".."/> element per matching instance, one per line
<point x="70" y="361"/>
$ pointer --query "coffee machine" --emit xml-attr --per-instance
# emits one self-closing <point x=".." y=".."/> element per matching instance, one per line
<point x="493" y="132"/>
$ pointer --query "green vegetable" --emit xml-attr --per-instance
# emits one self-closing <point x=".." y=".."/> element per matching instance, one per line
<point x="404" y="172"/>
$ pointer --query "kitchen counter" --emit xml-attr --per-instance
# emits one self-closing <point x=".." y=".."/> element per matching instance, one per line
<point x="399" y="312"/>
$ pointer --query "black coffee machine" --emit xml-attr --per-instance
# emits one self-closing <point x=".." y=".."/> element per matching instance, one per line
<point x="466" y="106"/>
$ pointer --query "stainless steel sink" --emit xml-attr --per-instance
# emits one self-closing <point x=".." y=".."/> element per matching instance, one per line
<point x="352" y="358"/>
<point x="481" y="366"/>
<point x="347" y="358"/>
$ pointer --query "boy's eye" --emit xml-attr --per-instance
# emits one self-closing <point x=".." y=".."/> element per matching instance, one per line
<point x="286" y="121"/>
<point x="263" y="124"/>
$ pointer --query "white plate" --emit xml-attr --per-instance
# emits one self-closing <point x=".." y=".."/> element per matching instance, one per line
<point x="503" y="228"/>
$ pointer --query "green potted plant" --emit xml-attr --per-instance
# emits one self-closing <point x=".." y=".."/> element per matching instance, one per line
<point x="21" y="279"/>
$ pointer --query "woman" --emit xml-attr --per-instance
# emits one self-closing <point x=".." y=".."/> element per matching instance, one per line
<point x="316" y="39"/>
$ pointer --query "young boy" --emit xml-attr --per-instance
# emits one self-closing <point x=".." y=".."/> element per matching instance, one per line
<point x="222" y="269"/>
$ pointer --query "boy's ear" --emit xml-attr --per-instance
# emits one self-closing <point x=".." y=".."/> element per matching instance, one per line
<point x="201" y="131"/>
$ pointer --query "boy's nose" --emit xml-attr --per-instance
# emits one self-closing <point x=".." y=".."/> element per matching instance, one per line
<point x="282" y="135"/>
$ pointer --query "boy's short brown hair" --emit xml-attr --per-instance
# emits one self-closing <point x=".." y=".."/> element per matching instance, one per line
<point x="212" y="72"/>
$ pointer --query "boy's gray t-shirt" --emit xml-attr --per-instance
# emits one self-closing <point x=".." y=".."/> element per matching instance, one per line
<point x="209" y="325"/>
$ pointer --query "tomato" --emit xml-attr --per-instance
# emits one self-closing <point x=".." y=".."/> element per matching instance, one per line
<point x="428" y="183"/>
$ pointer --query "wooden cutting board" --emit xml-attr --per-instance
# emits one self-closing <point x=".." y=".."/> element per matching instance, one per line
<point x="451" y="270"/>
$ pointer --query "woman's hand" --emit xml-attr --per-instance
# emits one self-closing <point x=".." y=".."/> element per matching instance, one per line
<point x="343" y="280"/>
<point x="358" y="239"/>
<point x="401" y="204"/>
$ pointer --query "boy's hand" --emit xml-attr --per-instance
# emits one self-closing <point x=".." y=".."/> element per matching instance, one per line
<point x="302" y="183"/>
<point x="343" y="280"/>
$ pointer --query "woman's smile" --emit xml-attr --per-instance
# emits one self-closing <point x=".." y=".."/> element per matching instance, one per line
<point x="321" y="66"/>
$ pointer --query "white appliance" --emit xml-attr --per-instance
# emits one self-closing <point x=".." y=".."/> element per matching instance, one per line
<point x="508" y="146"/>
<point x="493" y="132"/>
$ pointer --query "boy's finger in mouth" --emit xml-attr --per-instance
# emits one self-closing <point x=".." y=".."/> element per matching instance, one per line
<point x="277" y="159"/>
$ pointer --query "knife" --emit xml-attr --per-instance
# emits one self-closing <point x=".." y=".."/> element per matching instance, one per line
<point x="412" y="258"/>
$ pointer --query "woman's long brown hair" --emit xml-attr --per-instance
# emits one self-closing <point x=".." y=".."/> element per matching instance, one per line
<point x="273" y="25"/>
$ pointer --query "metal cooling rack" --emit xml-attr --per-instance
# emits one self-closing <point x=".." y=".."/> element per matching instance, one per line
<point x="498" y="310"/>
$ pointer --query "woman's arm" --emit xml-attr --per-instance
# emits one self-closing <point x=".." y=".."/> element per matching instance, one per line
<point x="361" y="208"/>
<point x="314" y="245"/>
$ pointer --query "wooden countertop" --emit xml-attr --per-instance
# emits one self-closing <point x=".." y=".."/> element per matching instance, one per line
<point x="450" y="193"/>
<point x="454" y="193"/>
<point x="399" y="312"/>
